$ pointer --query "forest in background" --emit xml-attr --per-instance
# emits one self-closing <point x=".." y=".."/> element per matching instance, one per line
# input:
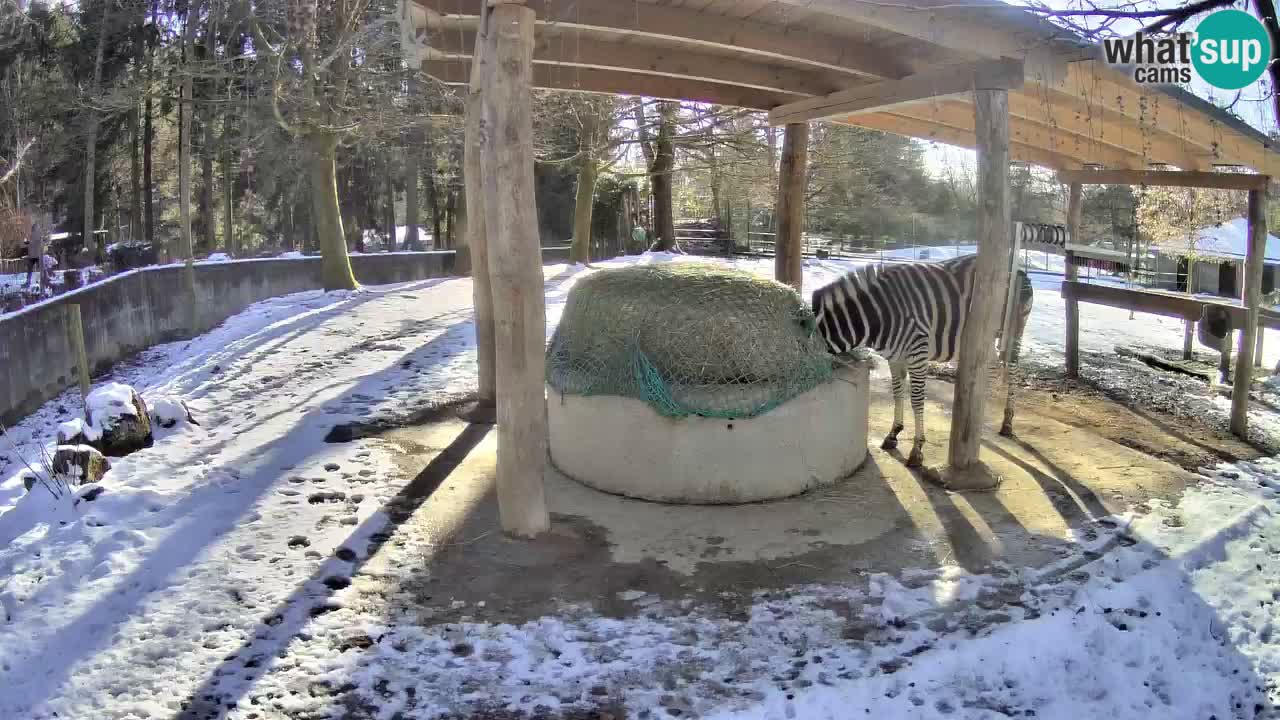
<point x="185" y="127"/>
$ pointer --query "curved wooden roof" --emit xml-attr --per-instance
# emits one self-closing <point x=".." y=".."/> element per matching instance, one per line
<point x="1067" y="109"/>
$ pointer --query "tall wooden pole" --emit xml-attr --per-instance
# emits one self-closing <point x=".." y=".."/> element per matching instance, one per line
<point x="788" y="265"/>
<point x="991" y="115"/>
<point x="473" y="256"/>
<point x="515" y="269"/>
<point x="1252" y="300"/>
<point x="1075" y="206"/>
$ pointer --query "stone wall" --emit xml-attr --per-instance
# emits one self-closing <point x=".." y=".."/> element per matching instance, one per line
<point x="130" y="312"/>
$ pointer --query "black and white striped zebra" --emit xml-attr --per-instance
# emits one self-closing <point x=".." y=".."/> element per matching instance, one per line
<point x="909" y="314"/>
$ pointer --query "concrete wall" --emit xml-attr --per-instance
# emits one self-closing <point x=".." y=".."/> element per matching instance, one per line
<point x="132" y="311"/>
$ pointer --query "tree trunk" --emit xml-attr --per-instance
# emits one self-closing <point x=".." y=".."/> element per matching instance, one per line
<point x="185" y="244"/>
<point x="450" y="219"/>
<point x="580" y="250"/>
<point x="148" y="184"/>
<point x="516" y="268"/>
<point x="91" y="135"/>
<point x="433" y="199"/>
<point x="327" y="214"/>
<point x="228" y="195"/>
<point x="208" y="239"/>
<point x="663" y="165"/>
<point x="135" y="177"/>
<point x="412" y="171"/>
<point x="389" y="209"/>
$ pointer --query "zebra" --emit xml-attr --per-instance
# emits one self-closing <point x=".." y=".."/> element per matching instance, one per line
<point x="909" y="314"/>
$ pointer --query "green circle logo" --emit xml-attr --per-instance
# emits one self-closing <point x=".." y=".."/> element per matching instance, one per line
<point x="1232" y="49"/>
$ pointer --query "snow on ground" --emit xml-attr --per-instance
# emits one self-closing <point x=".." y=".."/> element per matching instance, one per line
<point x="123" y="606"/>
<point x="1176" y="620"/>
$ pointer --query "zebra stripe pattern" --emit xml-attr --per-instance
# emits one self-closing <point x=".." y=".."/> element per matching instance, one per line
<point x="910" y="314"/>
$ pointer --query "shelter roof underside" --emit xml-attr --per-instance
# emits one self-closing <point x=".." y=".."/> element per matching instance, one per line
<point x="1068" y="110"/>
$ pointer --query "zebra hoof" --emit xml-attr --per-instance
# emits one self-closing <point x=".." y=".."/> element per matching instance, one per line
<point x="890" y="442"/>
<point x="1006" y="430"/>
<point x="916" y="458"/>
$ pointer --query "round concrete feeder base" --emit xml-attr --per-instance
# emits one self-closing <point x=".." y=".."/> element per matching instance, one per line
<point x="621" y="445"/>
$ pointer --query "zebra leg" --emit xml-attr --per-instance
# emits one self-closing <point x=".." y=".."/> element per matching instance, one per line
<point x="1006" y="427"/>
<point x="899" y="373"/>
<point x="916" y="458"/>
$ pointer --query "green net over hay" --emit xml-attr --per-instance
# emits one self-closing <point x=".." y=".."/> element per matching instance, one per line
<point x="687" y="338"/>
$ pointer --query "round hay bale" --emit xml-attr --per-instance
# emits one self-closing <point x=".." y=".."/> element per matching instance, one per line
<point x="689" y="339"/>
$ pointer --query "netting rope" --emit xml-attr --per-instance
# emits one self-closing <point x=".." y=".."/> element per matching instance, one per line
<point x="688" y="339"/>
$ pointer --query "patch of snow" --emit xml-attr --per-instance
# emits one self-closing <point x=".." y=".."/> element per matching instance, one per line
<point x="168" y="411"/>
<point x="78" y="427"/>
<point x="108" y="403"/>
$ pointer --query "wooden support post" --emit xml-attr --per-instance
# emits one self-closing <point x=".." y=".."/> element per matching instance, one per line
<point x="1188" y="332"/>
<point x="788" y="263"/>
<point x="473" y="257"/>
<point x="1010" y="301"/>
<point x="515" y="269"/>
<point x="1252" y="300"/>
<point x="75" y="335"/>
<point x="991" y="109"/>
<point x="1224" y="357"/>
<point x="1075" y="206"/>
<point x="1257" y="347"/>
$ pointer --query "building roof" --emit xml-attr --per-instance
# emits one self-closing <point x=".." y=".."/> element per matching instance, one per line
<point x="1067" y="110"/>
<point x="1230" y="241"/>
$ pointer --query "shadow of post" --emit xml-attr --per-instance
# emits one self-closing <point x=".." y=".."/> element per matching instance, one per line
<point x="227" y="684"/>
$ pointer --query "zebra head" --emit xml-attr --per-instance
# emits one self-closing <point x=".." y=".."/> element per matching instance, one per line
<point x="838" y="310"/>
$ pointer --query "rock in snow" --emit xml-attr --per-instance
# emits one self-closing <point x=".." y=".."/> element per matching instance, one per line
<point x="77" y="432"/>
<point x="80" y="464"/>
<point x="117" y="412"/>
<point x="169" y="411"/>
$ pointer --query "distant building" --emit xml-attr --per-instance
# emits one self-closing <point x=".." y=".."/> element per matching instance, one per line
<point x="1216" y="264"/>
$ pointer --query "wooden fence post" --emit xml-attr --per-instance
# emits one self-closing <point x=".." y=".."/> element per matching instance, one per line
<point x="788" y="263"/>
<point x="991" y="116"/>
<point x="75" y="334"/>
<point x="515" y="269"/>
<point x="1188" y="332"/>
<point x="1252" y="301"/>
<point x="1075" y="206"/>
<point x="1224" y="357"/>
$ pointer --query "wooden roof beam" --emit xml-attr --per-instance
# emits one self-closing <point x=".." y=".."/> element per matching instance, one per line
<point x="566" y="50"/>
<point x="959" y="116"/>
<point x="921" y="130"/>
<point x="965" y="28"/>
<point x="1096" y="85"/>
<point x="692" y="28"/>
<point x="1167" y="178"/>
<point x="1000" y="74"/>
<point x="594" y="80"/>
<point x="1067" y="114"/>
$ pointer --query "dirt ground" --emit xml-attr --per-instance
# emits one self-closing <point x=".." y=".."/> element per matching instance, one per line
<point x="1083" y="404"/>
<point x="1079" y="459"/>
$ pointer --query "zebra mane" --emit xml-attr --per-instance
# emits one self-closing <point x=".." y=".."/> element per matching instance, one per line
<point x="863" y="278"/>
